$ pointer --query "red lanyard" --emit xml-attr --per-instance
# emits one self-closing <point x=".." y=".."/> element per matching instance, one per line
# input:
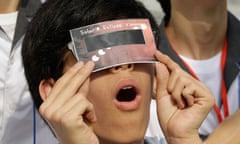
<point x="223" y="86"/>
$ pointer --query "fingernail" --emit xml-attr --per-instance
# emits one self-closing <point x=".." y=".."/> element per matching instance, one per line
<point x="89" y="64"/>
<point x="181" y="106"/>
<point x="158" y="52"/>
<point x="78" y="65"/>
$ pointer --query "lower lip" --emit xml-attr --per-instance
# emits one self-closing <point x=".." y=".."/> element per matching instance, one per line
<point x="128" y="106"/>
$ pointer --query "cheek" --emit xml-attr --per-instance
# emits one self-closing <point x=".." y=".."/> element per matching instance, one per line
<point x="102" y="102"/>
<point x="147" y="76"/>
<point x="147" y="83"/>
<point x="98" y="95"/>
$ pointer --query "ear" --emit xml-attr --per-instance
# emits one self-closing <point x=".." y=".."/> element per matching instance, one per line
<point x="45" y="88"/>
<point x="154" y="91"/>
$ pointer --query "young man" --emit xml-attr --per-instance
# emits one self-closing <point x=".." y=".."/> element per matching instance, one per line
<point x="20" y="122"/>
<point x="203" y="38"/>
<point x="111" y="105"/>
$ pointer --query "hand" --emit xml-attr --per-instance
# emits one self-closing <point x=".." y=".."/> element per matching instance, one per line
<point x="66" y="108"/>
<point x="182" y="102"/>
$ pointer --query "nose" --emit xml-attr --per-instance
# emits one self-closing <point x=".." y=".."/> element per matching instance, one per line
<point x="125" y="67"/>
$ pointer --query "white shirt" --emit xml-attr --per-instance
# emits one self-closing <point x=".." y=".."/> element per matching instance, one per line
<point x="16" y="107"/>
<point x="209" y="72"/>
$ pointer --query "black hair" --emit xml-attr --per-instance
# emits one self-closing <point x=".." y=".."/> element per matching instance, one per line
<point x="166" y="7"/>
<point x="46" y="39"/>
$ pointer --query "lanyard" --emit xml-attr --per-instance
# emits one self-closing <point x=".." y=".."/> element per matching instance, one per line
<point x="223" y="86"/>
<point x="239" y="86"/>
<point x="239" y="91"/>
<point x="34" y="124"/>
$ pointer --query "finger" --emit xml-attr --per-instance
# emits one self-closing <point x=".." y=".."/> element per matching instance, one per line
<point x="64" y="80"/>
<point x="59" y="86"/>
<point x="84" y="88"/>
<point x="176" y="92"/>
<point x="69" y="104"/>
<point x="203" y="96"/>
<point x="77" y="80"/>
<point x="162" y="80"/>
<point x="173" y="78"/>
<point x="73" y="121"/>
<point x="189" y="99"/>
<point x="188" y="94"/>
<point x="171" y="65"/>
<point x="81" y="112"/>
<point x="174" y="69"/>
<point x="78" y="121"/>
<point x="166" y="60"/>
<point x="70" y="88"/>
<point x="197" y="93"/>
<point x="57" y="115"/>
<point x="83" y="91"/>
<point x="165" y="105"/>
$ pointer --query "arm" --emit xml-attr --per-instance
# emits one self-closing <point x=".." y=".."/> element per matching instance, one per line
<point x="228" y="132"/>
<point x="182" y="102"/>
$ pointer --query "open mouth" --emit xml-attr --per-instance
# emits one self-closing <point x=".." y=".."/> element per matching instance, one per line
<point x="126" y="94"/>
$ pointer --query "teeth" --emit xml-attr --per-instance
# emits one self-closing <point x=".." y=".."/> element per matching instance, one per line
<point x="128" y="87"/>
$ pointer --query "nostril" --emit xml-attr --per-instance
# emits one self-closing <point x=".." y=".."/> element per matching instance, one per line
<point x="130" y="66"/>
<point x="122" y="67"/>
<point x="117" y="67"/>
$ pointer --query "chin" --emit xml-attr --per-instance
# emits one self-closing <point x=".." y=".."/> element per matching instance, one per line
<point x="125" y="134"/>
<point x="121" y="138"/>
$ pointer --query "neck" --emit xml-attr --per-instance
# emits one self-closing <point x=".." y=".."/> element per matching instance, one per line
<point x="197" y="30"/>
<point x="8" y="6"/>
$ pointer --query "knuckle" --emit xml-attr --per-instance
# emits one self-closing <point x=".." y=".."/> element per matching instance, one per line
<point x="42" y="109"/>
<point x="177" y="71"/>
<point x="66" y="120"/>
<point x="48" y="115"/>
<point x="57" y="116"/>
<point x="181" y="80"/>
<point x="90" y="105"/>
<point x="211" y="100"/>
<point x="45" y="112"/>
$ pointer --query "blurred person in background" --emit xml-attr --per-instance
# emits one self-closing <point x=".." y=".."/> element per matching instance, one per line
<point x="203" y="37"/>
<point x="19" y="122"/>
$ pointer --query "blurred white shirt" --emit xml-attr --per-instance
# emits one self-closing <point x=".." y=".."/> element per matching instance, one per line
<point x="18" y="122"/>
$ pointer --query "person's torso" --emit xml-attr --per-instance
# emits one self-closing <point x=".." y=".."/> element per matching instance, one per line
<point x="231" y="77"/>
<point x="20" y="123"/>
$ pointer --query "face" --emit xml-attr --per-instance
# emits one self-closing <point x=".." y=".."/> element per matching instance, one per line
<point x="121" y="98"/>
